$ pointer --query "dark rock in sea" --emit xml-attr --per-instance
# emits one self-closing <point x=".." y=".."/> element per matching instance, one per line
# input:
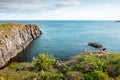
<point x="14" y="38"/>
<point x="96" y="45"/>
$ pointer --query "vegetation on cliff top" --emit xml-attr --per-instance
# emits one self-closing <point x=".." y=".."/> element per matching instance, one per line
<point x="81" y="67"/>
<point x="10" y="24"/>
<point x="7" y="29"/>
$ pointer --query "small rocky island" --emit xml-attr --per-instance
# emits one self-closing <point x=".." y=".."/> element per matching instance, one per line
<point x="14" y="38"/>
<point x="117" y="21"/>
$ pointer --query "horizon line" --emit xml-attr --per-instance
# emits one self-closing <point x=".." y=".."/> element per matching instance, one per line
<point x="58" y="20"/>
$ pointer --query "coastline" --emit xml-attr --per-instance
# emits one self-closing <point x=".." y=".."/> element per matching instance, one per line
<point x="72" y="37"/>
<point x="18" y="38"/>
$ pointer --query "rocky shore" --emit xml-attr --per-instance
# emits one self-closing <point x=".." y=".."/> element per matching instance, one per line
<point x="14" y="38"/>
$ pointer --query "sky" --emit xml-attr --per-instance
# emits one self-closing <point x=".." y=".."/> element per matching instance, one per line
<point x="59" y="9"/>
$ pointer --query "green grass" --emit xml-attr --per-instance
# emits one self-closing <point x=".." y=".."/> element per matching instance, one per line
<point x="7" y="30"/>
<point x="10" y="24"/>
<point x="81" y="67"/>
<point x="16" y="71"/>
<point x="7" y="26"/>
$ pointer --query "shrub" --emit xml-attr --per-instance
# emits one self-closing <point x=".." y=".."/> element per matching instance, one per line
<point x="13" y="65"/>
<point x="43" y="62"/>
<point x="113" y="71"/>
<point x="74" y="75"/>
<point x="44" y="75"/>
<point x="21" y="66"/>
<point x="2" y="78"/>
<point x="96" y="75"/>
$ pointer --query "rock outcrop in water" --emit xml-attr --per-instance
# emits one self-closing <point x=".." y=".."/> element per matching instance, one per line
<point x="96" y="45"/>
<point x="14" y="38"/>
<point x="117" y="21"/>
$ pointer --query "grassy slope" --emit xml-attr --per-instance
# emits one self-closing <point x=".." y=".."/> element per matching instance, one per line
<point x="7" y="30"/>
<point x="89" y="67"/>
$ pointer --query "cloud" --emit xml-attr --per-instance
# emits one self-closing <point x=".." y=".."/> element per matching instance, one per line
<point x="8" y="1"/>
<point x="13" y="6"/>
<point x="19" y="3"/>
<point x="67" y="3"/>
<point x="107" y="5"/>
<point x="20" y="9"/>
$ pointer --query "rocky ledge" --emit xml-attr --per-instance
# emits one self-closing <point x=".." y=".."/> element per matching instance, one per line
<point x="14" y="38"/>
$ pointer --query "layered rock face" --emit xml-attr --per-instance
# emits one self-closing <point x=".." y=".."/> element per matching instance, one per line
<point x="14" y="38"/>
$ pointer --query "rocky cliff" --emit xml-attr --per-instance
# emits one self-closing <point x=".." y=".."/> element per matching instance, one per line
<point x="14" y="38"/>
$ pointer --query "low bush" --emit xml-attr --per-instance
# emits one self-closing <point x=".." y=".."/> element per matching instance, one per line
<point x="43" y="62"/>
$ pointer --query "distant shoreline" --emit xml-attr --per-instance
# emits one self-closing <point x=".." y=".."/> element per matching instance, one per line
<point x="117" y="21"/>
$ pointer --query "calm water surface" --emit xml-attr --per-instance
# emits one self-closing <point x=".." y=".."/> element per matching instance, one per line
<point x="64" y="39"/>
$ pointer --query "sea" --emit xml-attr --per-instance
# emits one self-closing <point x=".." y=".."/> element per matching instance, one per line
<point x="66" y="38"/>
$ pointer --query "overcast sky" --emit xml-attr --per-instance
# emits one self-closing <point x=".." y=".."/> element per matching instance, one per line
<point x="59" y="9"/>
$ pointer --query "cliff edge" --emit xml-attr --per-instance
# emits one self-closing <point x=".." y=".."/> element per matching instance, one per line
<point x="14" y="38"/>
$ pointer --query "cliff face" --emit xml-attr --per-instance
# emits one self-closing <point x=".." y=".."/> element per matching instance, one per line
<point x="14" y="38"/>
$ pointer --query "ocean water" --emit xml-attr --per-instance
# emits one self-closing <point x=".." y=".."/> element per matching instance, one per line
<point x="64" y="39"/>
